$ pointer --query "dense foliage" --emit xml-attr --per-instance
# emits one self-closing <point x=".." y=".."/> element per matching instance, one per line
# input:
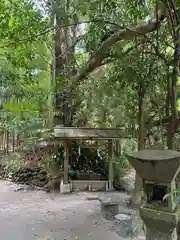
<point x="115" y="62"/>
<point x="25" y="49"/>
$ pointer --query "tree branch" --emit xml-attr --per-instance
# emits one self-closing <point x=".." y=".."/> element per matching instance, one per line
<point x="113" y="57"/>
<point x="28" y="38"/>
<point x="126" y="34"/>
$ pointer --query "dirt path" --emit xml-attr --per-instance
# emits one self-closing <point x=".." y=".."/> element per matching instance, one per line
<point x="35" y="215"/>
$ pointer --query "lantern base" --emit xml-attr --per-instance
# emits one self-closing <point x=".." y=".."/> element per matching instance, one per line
<point x="153" y="234"/>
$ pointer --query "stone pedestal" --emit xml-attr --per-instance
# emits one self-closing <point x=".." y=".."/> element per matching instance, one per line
<point x="153" y="234"/>
<point x="159" y="211"/>
<point x="109" y="210"/>
<point x="160" y="225"/>
<point x="109" y="206"/>
<point x="65" y="188"/>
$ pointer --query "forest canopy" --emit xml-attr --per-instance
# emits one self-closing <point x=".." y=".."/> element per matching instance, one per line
<point x="112" y="63"/>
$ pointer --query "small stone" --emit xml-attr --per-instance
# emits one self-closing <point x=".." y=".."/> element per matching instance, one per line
<point x="19" y="189"/>
<point x="123" y="217"/>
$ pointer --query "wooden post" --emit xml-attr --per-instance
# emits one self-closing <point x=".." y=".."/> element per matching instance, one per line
<point x="110" y="164"/>
<point x="66" y="161"/>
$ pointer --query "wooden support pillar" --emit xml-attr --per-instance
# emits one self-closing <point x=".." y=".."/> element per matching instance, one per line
<point x="66" y="161"/>
<point x="110" y="164"/>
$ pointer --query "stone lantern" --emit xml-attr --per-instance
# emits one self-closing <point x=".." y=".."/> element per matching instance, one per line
<point x="158" y="170"/>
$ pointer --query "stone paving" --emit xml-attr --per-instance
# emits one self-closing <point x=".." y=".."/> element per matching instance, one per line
<point x="36" y="215"/>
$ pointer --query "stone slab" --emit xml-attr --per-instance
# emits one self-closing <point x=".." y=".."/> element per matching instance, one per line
<point x="89" y="185"/>
<point x="113" y="199"/>
<point x="65" y="188"/>
<point x="111" y="205"/>
<point x="159" y="220"/>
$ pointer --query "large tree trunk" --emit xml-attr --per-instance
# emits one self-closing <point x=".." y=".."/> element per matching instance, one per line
<point x="136" y="199"/>
<point x="168" y="114"/>
<point x="64" y="65"/>
<point x="173" y="82"/>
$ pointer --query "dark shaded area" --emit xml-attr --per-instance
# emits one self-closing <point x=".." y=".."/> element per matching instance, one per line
<point x="84" y="164"/>
<point x="156" y="193"/>
<point x="25" y="175"/>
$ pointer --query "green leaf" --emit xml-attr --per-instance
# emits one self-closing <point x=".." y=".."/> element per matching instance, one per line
<point x="20" y="107"/>
<point x="11" y="21"/>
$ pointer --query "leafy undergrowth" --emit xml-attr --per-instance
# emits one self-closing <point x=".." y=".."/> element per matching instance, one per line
<point x="13" y="168"/>
<point x="16" y="168"/>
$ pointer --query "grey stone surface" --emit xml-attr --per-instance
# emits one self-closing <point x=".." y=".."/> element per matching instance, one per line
<point x="112" y="204"/>
<point x="124" y="218"/>
<point x="152" y="234"/>
<point x="131" y="226"/>
<point x="65" y="188"/>
<point x="158" y="165"/>
<point x="109" y="211"/>
<point x="36" y="215"/>
<point x="113" y="198"/>
<point x="155" y="155"/>
<point x="124" y="225"/>
<point x="138" y="226"/>
<point x="132" y="229"/>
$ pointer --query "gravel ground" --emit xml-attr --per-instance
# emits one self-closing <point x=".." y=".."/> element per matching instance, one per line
<point x="36" y="215"/>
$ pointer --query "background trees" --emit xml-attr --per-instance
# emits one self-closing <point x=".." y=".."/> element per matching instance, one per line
<point x="117" y="62"/>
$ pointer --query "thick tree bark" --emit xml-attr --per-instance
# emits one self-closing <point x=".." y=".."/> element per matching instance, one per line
<point x="173" y="83"/>
<point x="136" y="199"/>
<point x="64" y="67"/>
<point x="168" y="117"/>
